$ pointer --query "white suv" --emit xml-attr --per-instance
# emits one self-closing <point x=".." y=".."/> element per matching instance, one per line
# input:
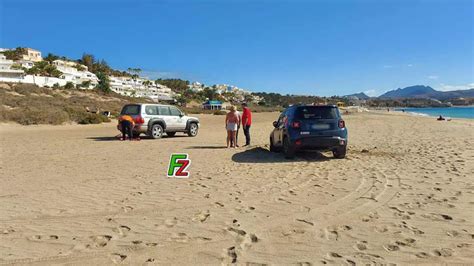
<point x="156" y="119"/>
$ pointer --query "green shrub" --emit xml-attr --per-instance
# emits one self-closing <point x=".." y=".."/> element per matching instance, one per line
<point x="219" y="112"/>
<point x="69" y="86"/>
<point x="90" y="118"/>
<point x="36" y="116"/>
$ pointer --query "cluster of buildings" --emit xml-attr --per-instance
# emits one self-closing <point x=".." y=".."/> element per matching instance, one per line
<point x="238" y="94"/>
<point x="140" y="87"/>
<point x="13" y="71"/>
<point x="80" y="76"/>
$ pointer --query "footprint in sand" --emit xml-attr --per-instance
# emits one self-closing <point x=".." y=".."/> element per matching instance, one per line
<point x="202" y="216"/>
<point x="444" y="252"/>
<point x="391" y="247"/>
<point x="237" y="231"/>
<point x="180" y="237"/>
<point x="101" y="240"/>
<point x="232" y="254"/>
<point x="8" y="231"/>
<point x="361" y="245"/>
<point x="117" y="258"/>
<point x="127" y="208"/>
<point x="137" y="242"/>
<point x="406" y="242"/>
<point x="422" y="255"/>
<point x="122" y="230"/>
<point x="171" y="222"/>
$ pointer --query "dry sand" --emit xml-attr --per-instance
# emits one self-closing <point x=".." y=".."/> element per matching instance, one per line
<point x="405" y="194"/>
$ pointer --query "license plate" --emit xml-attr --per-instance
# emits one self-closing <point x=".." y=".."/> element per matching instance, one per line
<point x="320" y="126"/>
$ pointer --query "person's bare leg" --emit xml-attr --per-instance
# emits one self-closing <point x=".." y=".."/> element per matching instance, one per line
<point x="228" y="138"/>
<point x="234" y="138"/>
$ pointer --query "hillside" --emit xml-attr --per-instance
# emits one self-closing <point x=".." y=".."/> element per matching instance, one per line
<point x="360" y="96"/>
<point x="420" y="91"/>
<point x="28" y="104"/>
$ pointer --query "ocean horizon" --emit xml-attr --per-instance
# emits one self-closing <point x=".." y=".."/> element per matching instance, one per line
<point x="452" y="112"/>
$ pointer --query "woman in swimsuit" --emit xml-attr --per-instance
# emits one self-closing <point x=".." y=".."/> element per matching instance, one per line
<point x="231" y="121"/>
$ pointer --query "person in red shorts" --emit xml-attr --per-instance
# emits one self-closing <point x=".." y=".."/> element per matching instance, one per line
<point x="246" y="122"/>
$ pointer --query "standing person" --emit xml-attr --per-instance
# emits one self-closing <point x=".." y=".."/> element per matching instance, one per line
<point x="126" y="125"/>
<point x="246" y="122"/>
<point x="238" y="128"/>
<point x="231" y="120"/>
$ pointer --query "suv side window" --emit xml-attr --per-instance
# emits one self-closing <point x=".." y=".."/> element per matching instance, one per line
<point x="163" y="110"/>
<point x="151" y="110"/>
<point x="175" y="111"/>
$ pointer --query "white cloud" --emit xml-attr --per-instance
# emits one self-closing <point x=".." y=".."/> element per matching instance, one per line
<point x="371" y="93"/>
<point x="409" y="65"/>
<point x="433" y="77"/>
<point x="447" y="87"/>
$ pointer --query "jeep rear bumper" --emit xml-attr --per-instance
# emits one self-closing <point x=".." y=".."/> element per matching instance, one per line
<point x="319" y="143"/>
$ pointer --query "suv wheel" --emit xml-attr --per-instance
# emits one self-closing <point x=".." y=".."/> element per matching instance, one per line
<point x="193" y="130"/>
<point x="339" y="153"/>
<point x="273" y="148"/>
<point x="156" y="131"/>
<point x="288" y="149"/>
<point x="170" y="134"/>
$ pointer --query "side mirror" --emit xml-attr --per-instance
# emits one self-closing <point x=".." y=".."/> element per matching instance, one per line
<point x="275" y="124"/>
<point x="181" y="114"/>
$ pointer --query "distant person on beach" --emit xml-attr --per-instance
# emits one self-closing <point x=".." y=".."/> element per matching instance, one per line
<point x="246" y="122"/>
<point x="231" y="121"/>
<point x="440" y="118"/>
<point x="238" y="128"/>
<point x="126" y="125"/>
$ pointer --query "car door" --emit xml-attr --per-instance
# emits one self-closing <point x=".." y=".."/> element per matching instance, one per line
<point x="164" y="113"/>
<point x="178" y="118"/>
<point x="150" y="113"/>
<point x="279" y="129"/>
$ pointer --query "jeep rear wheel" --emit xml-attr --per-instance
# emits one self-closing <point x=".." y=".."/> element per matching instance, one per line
<point x="288" y="149"/>
<point x="273" y="148"/>
<point x="339" y="153"/>
<point x="156" y="131"/>
<point x="193" y="130"/>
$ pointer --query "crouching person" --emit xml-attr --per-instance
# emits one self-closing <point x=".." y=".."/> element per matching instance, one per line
<point x="126" y="125"/>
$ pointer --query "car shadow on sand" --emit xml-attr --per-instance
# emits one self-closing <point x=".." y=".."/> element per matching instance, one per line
<point x="117" y="138"/>
<point x="207" y="147"/>
<point x="262" y="155"/>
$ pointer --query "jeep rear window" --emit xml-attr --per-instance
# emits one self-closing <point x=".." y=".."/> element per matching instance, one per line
<point x="316" y="112"/>
<point x="130" y="110"/>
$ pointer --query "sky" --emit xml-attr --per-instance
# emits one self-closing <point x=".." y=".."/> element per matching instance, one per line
<point x="301" y="47"/>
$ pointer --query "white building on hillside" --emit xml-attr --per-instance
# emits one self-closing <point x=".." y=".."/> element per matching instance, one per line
<point x="7" y="74"/>
<point x="196" y="86"/>
<point x="76" y="73"/>
<point x="140" y="88"/>
<point x="32" y="55"/>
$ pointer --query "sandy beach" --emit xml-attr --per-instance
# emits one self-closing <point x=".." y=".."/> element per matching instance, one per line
<point x="74" y="195"/>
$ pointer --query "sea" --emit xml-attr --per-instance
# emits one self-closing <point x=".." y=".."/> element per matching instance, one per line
<point x="452" y="112"/>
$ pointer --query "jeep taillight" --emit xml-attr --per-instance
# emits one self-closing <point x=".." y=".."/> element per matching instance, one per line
<point x="139" y="120"/>
<point x="342" y="124"/>
<point x="296" y="124"/>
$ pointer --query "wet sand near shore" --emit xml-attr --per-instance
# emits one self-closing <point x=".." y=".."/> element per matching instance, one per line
<point x="75" y="195"/>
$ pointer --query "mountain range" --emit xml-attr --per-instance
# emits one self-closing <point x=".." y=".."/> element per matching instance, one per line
<point x="420" y="91"/>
